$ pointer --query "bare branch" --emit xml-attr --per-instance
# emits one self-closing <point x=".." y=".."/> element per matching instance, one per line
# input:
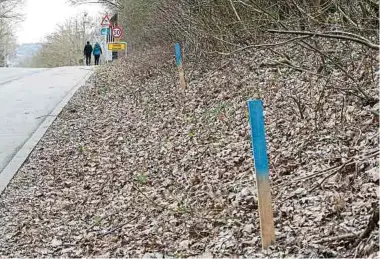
<point x="324" y="35"/>
<point x="273" y="44"/>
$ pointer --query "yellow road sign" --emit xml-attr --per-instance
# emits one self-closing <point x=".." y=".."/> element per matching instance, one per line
<point x="119" y="46"/>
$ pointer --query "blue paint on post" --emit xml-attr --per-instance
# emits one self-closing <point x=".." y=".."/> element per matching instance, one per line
<point x="256" y="119"/>
<point x="178" y="54"/>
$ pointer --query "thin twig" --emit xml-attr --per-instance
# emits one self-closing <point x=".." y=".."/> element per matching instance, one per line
<point x="235" y="12"/>
<point x="118" y="227"/>
<point x="372" y="223"/>
<point x="331" y="174"/>
<point x="368" y="155"/>
<point x="337" y="238"/>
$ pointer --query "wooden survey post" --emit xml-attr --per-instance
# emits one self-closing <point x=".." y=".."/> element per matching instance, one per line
<point x="178" y="57"/>
<point x="256" y="120"/>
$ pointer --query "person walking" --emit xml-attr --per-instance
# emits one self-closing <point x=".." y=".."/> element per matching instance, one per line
<point x="87" y="52"/>
<point x="97" y="52"/>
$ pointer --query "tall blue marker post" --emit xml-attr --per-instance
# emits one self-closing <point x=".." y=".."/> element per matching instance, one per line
<point x="178" y="58"/>
<point x="256" y="120"/>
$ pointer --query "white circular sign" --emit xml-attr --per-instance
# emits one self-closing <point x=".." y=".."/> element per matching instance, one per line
<point x="116" y="32"/>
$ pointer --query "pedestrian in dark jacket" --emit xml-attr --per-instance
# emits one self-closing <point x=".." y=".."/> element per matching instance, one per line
<point x="87" y="52"/>
<point x="97" y="51"/>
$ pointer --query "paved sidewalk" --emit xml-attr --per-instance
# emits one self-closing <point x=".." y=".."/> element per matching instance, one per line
<point x="27" y="99"/>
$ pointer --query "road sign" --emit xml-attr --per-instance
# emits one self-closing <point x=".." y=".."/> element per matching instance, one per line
<point x="105" y="31"/>
<point x="117" y="46"/>
<point x="117" y="32"/>
<point x="106" y="21"/>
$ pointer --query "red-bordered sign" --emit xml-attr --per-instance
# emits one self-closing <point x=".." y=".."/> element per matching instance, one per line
<point x="117" y="32"/>
<point x="106" y="21"/>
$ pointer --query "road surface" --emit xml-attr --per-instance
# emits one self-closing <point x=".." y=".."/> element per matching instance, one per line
<point x="28" y="98"/>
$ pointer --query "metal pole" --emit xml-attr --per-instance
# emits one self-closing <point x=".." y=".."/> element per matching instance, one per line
<point x="4" y="35"/>
<point x="5" y="50"/>
<point x="105" y="50"/>
<point x="84" y="28"/>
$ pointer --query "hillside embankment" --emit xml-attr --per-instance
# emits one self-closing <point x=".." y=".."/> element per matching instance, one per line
<point x="135" y="165"/>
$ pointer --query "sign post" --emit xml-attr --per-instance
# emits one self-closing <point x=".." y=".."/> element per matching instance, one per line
<point x="178" y="57"/>
<point x="105" y="31"/>
<point x="256" y="120"/>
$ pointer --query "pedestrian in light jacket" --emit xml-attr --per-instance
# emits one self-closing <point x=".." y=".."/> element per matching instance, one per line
<point x="87" y="52"/>
<point x="97" y="52"/>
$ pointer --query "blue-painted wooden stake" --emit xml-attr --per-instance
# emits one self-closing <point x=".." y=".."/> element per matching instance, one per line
<point x="256" y="120"/>
<point x="178" y="57"/>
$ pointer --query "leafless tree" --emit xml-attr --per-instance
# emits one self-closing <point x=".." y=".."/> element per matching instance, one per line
<point x="11" y="9"/>
<point x="230" y="26"/>
<point x="65" y="46"/>
<point x="114" y="4"/>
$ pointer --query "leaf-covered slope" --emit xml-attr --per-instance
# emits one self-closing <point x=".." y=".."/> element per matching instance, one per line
<point x="135" y="165"/>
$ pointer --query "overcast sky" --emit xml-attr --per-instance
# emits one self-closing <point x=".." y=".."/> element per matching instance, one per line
<point x="42" y="16"/>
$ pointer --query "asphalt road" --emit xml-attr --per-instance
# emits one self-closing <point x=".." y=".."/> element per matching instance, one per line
<point x="27" y="98"/>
